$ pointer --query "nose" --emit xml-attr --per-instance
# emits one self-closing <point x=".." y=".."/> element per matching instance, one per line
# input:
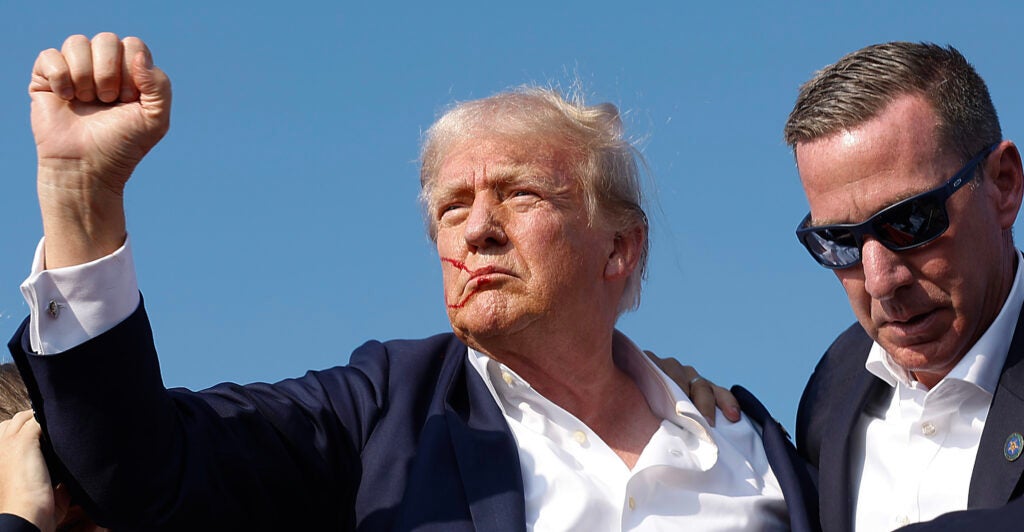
<point x="885" y="271"/>
<point x="484" y="228"/>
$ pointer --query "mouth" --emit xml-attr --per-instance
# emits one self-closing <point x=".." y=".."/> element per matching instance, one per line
<point x="913" y="325"/>
<point x="479" y="279"/>
<point x="480" y="274"/>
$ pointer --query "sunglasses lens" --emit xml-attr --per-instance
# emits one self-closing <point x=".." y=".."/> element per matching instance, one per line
<point x="911" y="224"/>
<point x="833" y="248"/>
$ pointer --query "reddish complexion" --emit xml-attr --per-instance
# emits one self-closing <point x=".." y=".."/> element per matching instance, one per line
<point x="473" y="274"/>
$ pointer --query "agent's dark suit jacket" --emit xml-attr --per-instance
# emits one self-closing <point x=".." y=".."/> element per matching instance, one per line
<point x="407" y="436"/>
<point x="13" y="523"/>
<point x="838" y="392"/>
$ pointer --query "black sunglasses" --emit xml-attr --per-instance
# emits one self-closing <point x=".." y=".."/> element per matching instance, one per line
<point x="904" y="225"/>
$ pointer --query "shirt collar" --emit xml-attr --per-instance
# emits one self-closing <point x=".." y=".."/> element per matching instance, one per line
<point x="664" y="396"/>
<point x="982" y="364"/>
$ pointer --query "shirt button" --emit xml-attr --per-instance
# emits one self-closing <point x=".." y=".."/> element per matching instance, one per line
<point x="507" y="377"/>
<point x="580" y="437"/>
<point x="902" y="520"/>
<point x="927" y="428"/>
<point x="632" y="503"/>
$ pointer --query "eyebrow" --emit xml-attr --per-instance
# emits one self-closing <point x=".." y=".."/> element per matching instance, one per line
<point x="499" y="175"/>
<point x="901" y="197"/>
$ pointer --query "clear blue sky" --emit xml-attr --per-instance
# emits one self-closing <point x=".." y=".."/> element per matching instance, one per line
<point x="276" y="226"/>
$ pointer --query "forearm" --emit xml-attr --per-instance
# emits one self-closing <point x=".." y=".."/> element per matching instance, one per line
<point x="82" y="220"/>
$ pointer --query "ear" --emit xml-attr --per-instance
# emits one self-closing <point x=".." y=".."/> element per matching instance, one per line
<point x="1004" y="170"/>
<point x="626" y="251"/>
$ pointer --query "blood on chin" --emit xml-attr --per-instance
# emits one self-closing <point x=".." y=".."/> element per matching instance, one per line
<point x="478" y="285"/>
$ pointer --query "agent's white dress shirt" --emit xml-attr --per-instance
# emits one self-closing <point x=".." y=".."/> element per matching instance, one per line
<point x="914" y="450"/>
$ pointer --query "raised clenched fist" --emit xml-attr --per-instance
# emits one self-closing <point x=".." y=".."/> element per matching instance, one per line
<point x="98" y="106"/>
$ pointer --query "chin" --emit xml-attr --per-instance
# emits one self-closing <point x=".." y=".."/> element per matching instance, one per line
<point x="483" y="326"/>
<point x="932" y="357"/>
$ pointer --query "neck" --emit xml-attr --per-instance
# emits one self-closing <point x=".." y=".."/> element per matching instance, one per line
<point x="579" y="374"/>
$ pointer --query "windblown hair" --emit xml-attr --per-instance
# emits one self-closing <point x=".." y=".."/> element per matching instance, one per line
<point x="606" y="164"/>
<point x="862" y="84"/>
<point x="13" y="395"/>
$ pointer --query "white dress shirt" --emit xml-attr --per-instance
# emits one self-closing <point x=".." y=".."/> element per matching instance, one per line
<point x="689" y="476"/>
<point x="914" y="450"/>
<point x="71" y="305"/>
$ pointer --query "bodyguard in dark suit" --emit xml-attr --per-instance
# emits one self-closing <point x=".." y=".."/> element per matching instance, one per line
<point x="535" y="413"/>
<point x="916" y="410"/>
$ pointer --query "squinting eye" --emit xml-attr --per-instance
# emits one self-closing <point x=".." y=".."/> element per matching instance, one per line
<point x="448" y="209"/>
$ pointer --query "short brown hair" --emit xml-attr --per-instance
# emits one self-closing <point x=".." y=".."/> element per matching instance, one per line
<point x="13" y="395"/>
<point x="860" y="85"/>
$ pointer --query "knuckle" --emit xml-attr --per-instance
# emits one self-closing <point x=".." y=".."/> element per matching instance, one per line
<point x="76" y="40"/>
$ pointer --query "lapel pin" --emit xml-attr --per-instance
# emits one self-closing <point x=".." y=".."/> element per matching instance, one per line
<point x="1013" y="447"/>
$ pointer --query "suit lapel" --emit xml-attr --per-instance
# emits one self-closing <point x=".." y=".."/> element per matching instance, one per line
<point x="995" y="478"/>
<point x="486" y="452"/>
<point x="465" y="475"/>
<point x="835" y="489"/>
<point x="792" y="472"/>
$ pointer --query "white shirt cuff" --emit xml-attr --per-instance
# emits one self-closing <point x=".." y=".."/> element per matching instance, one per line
<point x="72" y="305"/>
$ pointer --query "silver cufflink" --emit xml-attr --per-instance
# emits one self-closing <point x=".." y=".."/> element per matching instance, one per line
<point x="53" y="308"/>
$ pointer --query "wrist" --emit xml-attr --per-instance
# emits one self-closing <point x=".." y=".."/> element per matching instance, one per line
<point x="83" y="217"/>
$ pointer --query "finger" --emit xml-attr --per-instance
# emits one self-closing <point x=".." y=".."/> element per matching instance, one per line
<point x="132" y="47"/>
<point x="685" y="376"/>
<point x="106" y="66"/>
<point x="727" y="403"/>
<point x="51" y="74"/>
<point x="682" y="375"/>
<point x="702" y="395"/>
<point x="78" y="54"/>
<point x="20" y="421"/>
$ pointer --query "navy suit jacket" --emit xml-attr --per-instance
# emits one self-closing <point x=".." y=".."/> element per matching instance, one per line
<point x="13" y="523"/>
<point x="407" y="436"/>
<point x="837" y="394"/>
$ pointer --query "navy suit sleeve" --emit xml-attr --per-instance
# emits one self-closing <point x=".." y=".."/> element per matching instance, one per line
<point x="13" y="523"/>
<point x="257" y="457"/>
<point x="1009" y="517"/>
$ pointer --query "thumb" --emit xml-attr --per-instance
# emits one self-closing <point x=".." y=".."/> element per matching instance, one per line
<point x="154" y="87"/>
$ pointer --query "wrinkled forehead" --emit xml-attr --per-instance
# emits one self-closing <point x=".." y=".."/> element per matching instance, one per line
<point x="496" y="163"/>
<point x="854" y="172"/>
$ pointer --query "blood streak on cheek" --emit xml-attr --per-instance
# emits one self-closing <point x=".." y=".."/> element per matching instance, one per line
<point x="480" y="283"/>
<point x="457" y="263"/>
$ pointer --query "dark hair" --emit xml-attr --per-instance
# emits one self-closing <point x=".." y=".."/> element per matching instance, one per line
<point x="860" y="85"/>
